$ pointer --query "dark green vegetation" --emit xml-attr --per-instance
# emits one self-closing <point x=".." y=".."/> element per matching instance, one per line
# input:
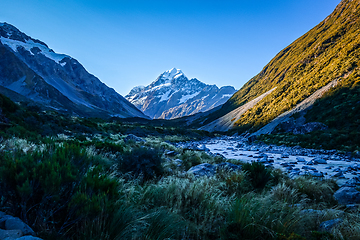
<point x="330" y="51"/>
<point x="88" y="181"/>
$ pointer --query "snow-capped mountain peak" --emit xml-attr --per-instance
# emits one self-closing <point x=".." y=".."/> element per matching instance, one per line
<point x="172" y="74"/>
<point x="173" y="95"/>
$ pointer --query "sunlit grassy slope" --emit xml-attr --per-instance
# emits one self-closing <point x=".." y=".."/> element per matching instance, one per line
<point x="328" y="51"/>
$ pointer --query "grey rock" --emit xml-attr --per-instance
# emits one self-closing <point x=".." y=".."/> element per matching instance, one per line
<point x="285" y="155"/>
<point x="319" y="161"/>
<point x="132" y="137"/>
<point x="328" y="225"/>
<point x="263" y="161"/>
<point x="202" y="147"/>
<point x="10" y="234"/>
<point x="338" y="175"/>
<point x="204" y="169"/>
<point x="300" y="159"/>
<point x="352" y="183"/>
<point x="15" y="223"/>
<point x="308" y="168"/>
<point x="347" y="195"/>
<point x="315" y="174"/>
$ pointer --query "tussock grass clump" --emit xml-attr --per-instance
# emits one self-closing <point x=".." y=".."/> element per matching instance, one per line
<point x="262" y="217"/>
<point x="201" y="202"/>
<point x="259" y="175"/>
<point x="318" y="191"/>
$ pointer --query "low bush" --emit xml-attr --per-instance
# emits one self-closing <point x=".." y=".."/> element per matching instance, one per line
<point x="259" y="175"/>
<point x="55" y="189"/>
<point x="141" y="162"/>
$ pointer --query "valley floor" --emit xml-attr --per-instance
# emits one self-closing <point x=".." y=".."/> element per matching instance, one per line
<point x="296" y="161"/>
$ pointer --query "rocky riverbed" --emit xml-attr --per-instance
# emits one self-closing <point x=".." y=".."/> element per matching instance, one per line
<point x="296" y="161"/>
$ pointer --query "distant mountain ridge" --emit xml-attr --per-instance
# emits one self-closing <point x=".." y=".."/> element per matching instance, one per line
<point x="30" y="68"/>
<point x="325" y="59"/>
<point x="173" y="95"/>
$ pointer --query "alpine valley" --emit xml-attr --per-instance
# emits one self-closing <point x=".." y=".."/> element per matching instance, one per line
<point x="173" y="95"/>
<point x="278" y="159"/>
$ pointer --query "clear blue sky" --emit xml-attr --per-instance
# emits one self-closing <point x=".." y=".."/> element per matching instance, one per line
<point x="126" y="43"/>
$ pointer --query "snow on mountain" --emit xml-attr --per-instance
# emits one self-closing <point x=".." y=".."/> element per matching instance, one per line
<point x="173" y="95"/>
<point x="33" y="47"/>
<point x="30" y="68"/>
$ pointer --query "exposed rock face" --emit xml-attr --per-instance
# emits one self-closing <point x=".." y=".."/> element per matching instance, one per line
<point x="30" y="68"/>
<point x="173" y="95"/>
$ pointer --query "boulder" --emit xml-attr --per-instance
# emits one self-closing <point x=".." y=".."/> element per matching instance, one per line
<point x="352" y="183"/>
<point x="300" y="159"/>
<point x="315" y="174"/>
<point x="204" y="169"/>
<point x="338" y="175"/>
<point x="14" y="223"/>
<point x="319" y="161"/>
<point x="347" y="195"/>
<point x="328" y="225"/>
<point x="202" y="147"/>
<point x="10" y="234"/>
<point x="132" y="137"/>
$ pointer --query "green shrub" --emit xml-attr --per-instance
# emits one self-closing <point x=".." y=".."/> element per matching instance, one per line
<point x="190" y="159"/>
<point x="142" y="162"/>
<point x="55" y="189"/>
<point x="259" y="175"/>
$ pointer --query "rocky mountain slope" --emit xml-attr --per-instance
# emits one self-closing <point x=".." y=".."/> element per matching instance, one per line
<point x="30" y="68"/>
<point x="173" y="95"/>
<point x="326" y="54"/>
